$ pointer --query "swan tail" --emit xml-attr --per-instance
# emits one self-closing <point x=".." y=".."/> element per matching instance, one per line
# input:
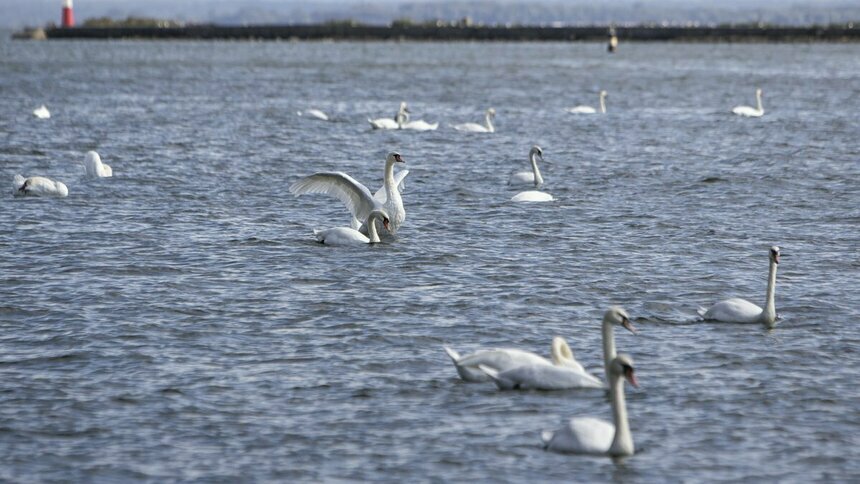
<point x="546" y="437"/>
<point x="701" y="311"/>
<point x="18" y="182"/>
<point x="455" y="357"/>
<point x="500" y="382"/>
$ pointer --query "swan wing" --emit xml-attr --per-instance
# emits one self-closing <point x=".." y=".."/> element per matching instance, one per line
<point x="340" y="236"/>
<point x="502" y="359"/>
<point x="547" y="377"/>
<point x="532" y="196"/>
<point x="734" y="310"/>
<point x="353" y="194"/>
<point x="382" y="197"/>
<point x="583" y="435"/>
<point x="582" y="110"/>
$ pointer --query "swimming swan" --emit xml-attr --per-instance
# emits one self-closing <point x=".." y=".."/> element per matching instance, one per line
<point x="350" y="236"/>
<point x="94" y="166"/>
<point x="588" y="435"/>
<point x="736" y="310"/>
<point x="501" y="359"/>
<point x="749" y="111"/>
<point x="544" y="377"/>
<point x="535" y="154"/>
<point x="356" y="196"/>
<point x="479" y="128"/>
<point x="397" y="122"/>
<point x="38" y="186"/>
<point x="589" y="109"/>
<point x="314" y="113"/>
<point x="42" y="112"/>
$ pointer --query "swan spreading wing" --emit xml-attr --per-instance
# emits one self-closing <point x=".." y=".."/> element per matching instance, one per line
<point x="353" y="194"/>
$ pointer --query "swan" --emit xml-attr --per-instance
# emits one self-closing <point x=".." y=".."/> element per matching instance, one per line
<point x="479" y="128"/>
<point x="749" y="111"/>
<point x="420" y="125"/>
<point x="356" y="196"/>
<point x="531" y="195"/>
<point x="501" y="359"/>
<point x="589" y="109"/>
<point x="588" y="435"/>
<point x="38" y="186"/>
<point x="546" y="377"/>
<point x="736" y="310"/>
<point x="42" y="112"/>
<point x="397" y="122"/>
<point x="94" y="166"/>
<point x="314" y="113"/>
<point x="350" y="236"/>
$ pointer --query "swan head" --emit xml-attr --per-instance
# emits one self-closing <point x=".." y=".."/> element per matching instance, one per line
<point x="758" y="92"/>
<point x="92" y="158"/>
<point x="381" y="215"/>
<point x="491" y="112"/>
<point x="560" y="351"/>
<point x="536" y="151"/>
<point x="622" y="367"/>
<point x="394" y="157"/>
<point x="774" y="254"/>
<point x="604" y="94"/>
<point x="618" y="316"/>
<point x="403" y="107"/>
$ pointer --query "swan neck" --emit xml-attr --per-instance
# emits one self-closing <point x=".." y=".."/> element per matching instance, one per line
<point x="769" y="315"/>
<point x="608" y="347"/>
<point x="371" y="230"/>
<point x="536" y="170"/>
<point x="490" y="126"/>
<point x="758" y="101"/>
<point x="602" y="105"/>
<point x="622" y="444"/>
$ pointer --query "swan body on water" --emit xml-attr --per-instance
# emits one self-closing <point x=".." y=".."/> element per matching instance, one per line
<point x="588" y="109"/>
<point x="749" y="111"/>
<point x="479" y="128"/>
<point x="94" y="166"/>
<point x="314" y="113"/>
<point x="530" y="376"/>
<point x="38" y="186"/>
<point x="532" y="196"/>
<point x="356" y="196"/>
<point x="401" y="118"/>
<point x="420" y="126"/>
<point x="350" y="236"/>
<point x="736" y="310"/>
<point x="502" y="359"/>
<point x="588" y="435"/>
<point x="42" y="112"/>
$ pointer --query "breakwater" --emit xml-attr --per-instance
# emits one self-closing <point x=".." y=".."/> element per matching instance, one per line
<point x="335" y="31"/>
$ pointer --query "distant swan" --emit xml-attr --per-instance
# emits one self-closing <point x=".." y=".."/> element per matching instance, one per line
<point x="736" y="310"/>
<point x="42" y="112"/>
<point x="356" y="196"/>
<point x="534" y="177"/>
<point x="544" y="377"/>
<point x="38" y="186"/>
<point x="589" y="109"/>
<point x="588" y="435"/>
<point x="397" y="122"/>
<point x="479" y="128"/>
<point x="314" y="113"/>
<point x="502" y="359"/>
<point x="749" y="111"/>
<point x="350" y="236"/>
<point x="94" y="166"/>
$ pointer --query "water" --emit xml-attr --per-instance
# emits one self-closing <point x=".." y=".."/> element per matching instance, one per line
<point x="178" y="322"/>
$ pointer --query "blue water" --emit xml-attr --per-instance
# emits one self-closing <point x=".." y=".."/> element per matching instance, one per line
<point x="178" y="321"/>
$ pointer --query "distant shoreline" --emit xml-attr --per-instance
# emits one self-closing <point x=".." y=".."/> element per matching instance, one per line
<point x="432" y="33"/>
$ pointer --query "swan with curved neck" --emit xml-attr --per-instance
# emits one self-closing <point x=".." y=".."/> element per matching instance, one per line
<point x="749" y="111"/>
<point x="590" y="110"/>
<point x="350" y="236"/>
<point x="38" y="186"/>
<point x="94" y="166"/>
<point x="535" y="154"/>
<point x="593" y="436"/>
<point x="544" y="377"/>
<point x="478" y="128"/>
<point x="737" y="310"/>
<point x="502" y="359"/>
<point x="399" y="120"/>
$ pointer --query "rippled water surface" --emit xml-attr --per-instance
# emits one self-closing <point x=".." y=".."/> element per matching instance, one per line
<point x="178" y="321"/>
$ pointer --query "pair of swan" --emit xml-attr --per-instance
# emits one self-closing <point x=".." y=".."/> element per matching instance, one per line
<point x="736" y="310"/>
<point x="401" y="121"/>
<point x="479" y="128"/>
<point x="314" y="113"/>
<point x="473" y="367"/>
<point x="38" y="186"/>
<point x="385" y="205"/>
<point x="534" y="176"/>
<point x="42" y="112"/>
<point x="749" y="111"/>
<point x="588" y="109"/>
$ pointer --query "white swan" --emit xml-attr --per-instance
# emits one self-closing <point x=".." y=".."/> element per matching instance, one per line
<point x="42" y="112"/>
<point x="588" y="435"/>
<point x="544" y="377"/>
<point x="736" y="310"/>
<point x="94" y="166"/>
<point x="314" y="113"/>
<point x="588" y="109"/>
<point x="531" y="195"/>
<point x="501" y="359"/>
<point x="749" y="111"/>
<point x="356" y="196"/>
<point x="38" y="186"/>
<point x="350" y="236"/>
<point x="420" y="126"/>
<point x="479" y="128"/>
<point x="397" y="122"/>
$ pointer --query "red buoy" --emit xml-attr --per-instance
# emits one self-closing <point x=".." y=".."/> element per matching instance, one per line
<point x="68" y="15"/>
